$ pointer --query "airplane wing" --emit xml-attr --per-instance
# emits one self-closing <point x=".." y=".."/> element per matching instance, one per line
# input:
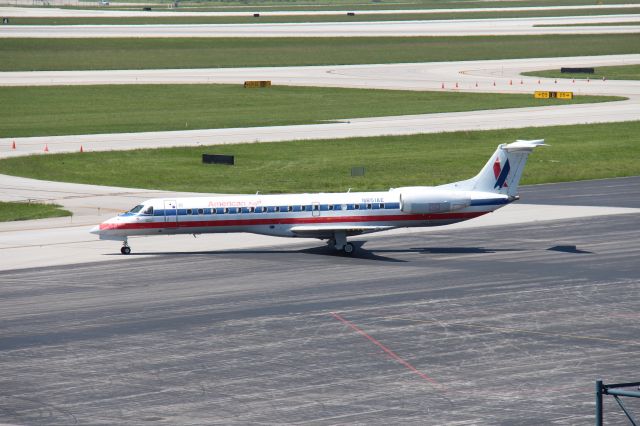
<point x="327" y="231"/>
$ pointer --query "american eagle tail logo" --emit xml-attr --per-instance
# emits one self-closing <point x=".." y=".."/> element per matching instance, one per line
<point x="501" y="173"/>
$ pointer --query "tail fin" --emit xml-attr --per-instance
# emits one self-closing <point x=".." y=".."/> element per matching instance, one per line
<point x="502" y="172"/>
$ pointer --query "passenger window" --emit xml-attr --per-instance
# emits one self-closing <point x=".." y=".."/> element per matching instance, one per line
<point x="316" y="207"/>
<point x="189" y="211"/>
<point x="382" y="205"/>
<point x="226" y="211"/>
<point x="200" y="211"/>
<point x="330" y="206"/>
<point x="289" y="208"/>
<point x="252" y="209"/>
<point x="303" y="208"/>
<point x="356" y="206"/>
<point x="368" y="206"/>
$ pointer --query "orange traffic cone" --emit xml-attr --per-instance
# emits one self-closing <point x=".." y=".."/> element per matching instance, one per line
<point x="46" y="148"/>
<point x="81" y="149"/>
<point x="14" y="145"/>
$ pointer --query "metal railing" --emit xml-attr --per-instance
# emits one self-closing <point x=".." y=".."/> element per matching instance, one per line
<point x="615" y="391"/>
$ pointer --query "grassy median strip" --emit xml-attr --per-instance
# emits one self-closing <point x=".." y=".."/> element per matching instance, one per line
<point x="68" y="110"/>
<point x="624" y="72"/>
<point x="176" y="19"/>
<point x="576" y="153"/>
<point x="153" y="53"/>
<point x="10" y="211"/>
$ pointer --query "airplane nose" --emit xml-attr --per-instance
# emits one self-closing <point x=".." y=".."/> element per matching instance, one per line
<point x="95" y="230"/>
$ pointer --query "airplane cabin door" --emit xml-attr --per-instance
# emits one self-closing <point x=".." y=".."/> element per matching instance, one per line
<point x="171" y="212"/>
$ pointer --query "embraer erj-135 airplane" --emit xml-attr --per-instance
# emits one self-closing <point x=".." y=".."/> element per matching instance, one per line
<point x="330" y="216"/>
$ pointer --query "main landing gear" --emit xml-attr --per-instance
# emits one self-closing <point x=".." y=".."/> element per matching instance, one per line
<point x="125" y="249"/>
<point x="339" y="242"/>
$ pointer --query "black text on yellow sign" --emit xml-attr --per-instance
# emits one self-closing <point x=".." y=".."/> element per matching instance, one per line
<point x="541" y="94"/>
<point x="256" y="84"/>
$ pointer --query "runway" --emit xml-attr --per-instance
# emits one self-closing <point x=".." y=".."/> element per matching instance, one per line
<point x="505" y="74"/>
<point x="492" y="325"/>
<point x="454" y="27"/>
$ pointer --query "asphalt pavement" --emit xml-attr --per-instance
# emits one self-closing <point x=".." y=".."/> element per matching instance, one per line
<point x="499" y="325"/>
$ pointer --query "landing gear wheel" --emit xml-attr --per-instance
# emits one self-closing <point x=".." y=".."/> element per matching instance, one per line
<point x="348" y="248"/>
<point x="125" y="250"/>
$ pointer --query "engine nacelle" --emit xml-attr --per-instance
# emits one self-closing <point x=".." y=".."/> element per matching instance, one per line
<point x="433" y="201"/>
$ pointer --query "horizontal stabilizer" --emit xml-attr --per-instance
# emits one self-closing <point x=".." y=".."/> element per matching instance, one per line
<point x="522" y="145"/>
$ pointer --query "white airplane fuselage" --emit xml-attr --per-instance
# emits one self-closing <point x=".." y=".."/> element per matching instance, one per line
<point x="330" y="216"/>
<point x="295" y="215"/>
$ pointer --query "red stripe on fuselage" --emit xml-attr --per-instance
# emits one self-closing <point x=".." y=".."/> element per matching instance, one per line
<point x="290" y="221"/>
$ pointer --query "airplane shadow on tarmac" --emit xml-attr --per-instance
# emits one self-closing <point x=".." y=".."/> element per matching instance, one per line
<point x="382" y="255"/>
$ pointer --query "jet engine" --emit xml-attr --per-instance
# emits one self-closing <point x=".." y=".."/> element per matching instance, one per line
<point x="433" y="201"/>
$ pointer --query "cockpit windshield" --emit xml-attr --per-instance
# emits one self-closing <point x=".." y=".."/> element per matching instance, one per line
<point x="137" y="208"/>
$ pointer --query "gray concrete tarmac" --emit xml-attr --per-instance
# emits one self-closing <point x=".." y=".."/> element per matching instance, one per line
<point x="493" y="325"/>
<point x="620" y="192"/>
<point x="501" y="325"/>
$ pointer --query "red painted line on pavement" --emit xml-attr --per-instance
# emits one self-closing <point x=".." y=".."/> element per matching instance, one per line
<point x="384" y="348"/>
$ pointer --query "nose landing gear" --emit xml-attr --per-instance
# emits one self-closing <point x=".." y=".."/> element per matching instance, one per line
<point x="125" y="249"/>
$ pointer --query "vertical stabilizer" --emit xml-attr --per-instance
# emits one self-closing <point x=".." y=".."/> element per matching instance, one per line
<point x="504" y="169"/>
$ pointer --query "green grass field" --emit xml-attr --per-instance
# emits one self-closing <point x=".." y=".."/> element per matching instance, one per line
<point x="152" y="53"/>
<point x="359" y="17"/>
<point x="625" y="72"/>
<point x="68" y="110"/>
<point x="28" y="211"/>
<point x="576" y="153"/>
